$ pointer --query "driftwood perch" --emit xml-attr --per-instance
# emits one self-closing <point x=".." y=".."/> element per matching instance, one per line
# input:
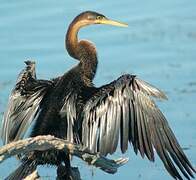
<point x="43" y="143"/>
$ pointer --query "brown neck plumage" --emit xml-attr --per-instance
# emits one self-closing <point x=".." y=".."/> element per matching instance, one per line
<point x="83" y="50"/>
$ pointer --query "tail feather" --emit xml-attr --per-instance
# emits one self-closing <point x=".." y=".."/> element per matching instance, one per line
<point x="25" y="169"/>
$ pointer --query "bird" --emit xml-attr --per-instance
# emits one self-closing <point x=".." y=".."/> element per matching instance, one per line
<point x="117" y="115"/>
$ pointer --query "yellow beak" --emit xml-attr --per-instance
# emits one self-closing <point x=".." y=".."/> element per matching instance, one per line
<point x="111" y="22"/>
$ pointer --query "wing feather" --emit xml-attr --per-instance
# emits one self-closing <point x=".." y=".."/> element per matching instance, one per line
<point x="125" y="108"/>
<point x="24" y="103"/>
<point x="68" y="111"/>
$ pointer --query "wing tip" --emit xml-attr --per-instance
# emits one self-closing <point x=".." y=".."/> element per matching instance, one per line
<point x="29" y="62"/>
<point x="150" y="89"/>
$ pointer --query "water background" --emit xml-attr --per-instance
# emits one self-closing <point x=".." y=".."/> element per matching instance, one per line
<point x="159" y="46"/>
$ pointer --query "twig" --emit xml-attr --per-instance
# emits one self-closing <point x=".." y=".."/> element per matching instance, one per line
<point x="33" y="176"/>
<point x="43" y="143"/>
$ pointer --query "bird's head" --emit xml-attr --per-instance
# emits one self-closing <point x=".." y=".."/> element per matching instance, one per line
<point x="90" y="17"/>
<point x="84" y="19"/>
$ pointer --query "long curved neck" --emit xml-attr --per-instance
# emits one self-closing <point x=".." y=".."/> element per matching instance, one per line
<point x="84" y="51"/>
<point x="71" y="40"/>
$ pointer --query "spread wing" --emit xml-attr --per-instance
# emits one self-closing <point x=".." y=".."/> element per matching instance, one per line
<point x="124" y="111"/>
<point x="24" y="103"/>
<point x="68" y="111"/>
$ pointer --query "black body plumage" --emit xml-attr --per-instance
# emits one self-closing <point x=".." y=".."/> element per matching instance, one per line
<point x="70" y="107"/>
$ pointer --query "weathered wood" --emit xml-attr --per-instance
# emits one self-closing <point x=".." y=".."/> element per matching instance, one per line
<point x="43" y="143"/>
<point x="33" y="176"/>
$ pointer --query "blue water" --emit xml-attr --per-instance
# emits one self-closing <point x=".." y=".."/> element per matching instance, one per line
<point x="159" y="46"/>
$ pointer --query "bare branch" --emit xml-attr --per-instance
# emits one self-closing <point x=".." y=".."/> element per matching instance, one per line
<point x="43" y="143"/>
<point x="33" y="176"/>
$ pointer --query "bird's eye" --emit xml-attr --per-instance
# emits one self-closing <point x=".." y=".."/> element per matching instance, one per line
<point x="98" y="17"/>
